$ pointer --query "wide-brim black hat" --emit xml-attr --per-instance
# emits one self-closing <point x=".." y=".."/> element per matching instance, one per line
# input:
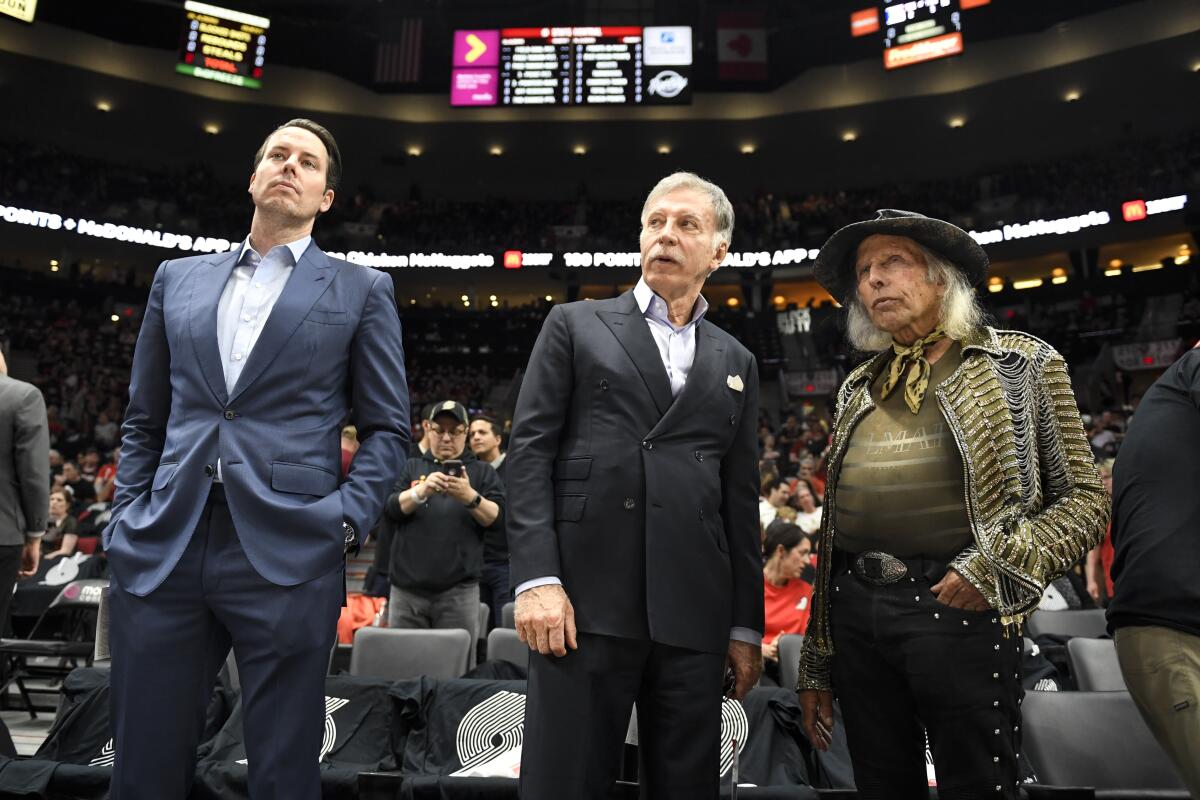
<point x="834" y="266"/>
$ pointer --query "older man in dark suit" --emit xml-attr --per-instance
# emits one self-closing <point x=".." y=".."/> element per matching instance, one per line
<point x="633" y="527"/>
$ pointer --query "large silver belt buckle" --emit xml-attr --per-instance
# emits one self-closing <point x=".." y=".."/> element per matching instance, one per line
<point x="879" y="569"/>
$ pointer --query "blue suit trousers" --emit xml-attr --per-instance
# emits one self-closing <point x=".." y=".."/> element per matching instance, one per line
<point x="169" y="645"/>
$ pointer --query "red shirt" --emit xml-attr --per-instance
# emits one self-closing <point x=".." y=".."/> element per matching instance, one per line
<point x="787" y="608"/>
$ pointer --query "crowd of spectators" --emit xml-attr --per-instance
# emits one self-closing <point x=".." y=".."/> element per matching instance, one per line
<point x="192" y="199"/>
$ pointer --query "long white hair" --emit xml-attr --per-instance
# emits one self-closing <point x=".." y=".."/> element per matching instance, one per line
<point x="959" y="315"/>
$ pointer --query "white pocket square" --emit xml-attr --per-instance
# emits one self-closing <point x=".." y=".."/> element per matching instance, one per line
<point x="735" y="382"/>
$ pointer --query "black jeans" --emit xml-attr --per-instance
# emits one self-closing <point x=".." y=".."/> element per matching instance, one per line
<point x="905" y="665"/>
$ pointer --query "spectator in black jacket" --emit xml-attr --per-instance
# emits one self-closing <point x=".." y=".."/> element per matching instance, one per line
<point x="445" y="501"/>
<point x="486" y="437"/>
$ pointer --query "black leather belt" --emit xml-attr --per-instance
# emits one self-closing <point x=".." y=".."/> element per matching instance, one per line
<point x="883" y="569"/>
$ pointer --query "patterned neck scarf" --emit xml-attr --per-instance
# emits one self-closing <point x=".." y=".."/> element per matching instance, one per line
<point x="911" y="360"/>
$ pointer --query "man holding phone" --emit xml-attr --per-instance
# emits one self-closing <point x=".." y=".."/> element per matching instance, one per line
<point x="443" y="502"/>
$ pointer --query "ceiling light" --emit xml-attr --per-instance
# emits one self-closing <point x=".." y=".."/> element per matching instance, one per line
<point x="115" y="318"/>
<point x="779" y="299"/>
<point x="212" y="128"/>
<point x="1072" y="95"/>
<point x="1179" y="260"/>
<point x="849" y="136"/>
<point x="733" y="302"/>
<point x="491" y="297"/>
<point x="1147" y="267"/>
<point x="747" y="149"/>
<point x="957" y="122"/>
<point x="549" y="299"/>
<point x="53" y="267"/>
<point x="1058" y="279"/>
<point x="664" y="149"/>
<point x="414" y="150"/>
<point x="579" y="150"/>
<point x="464" y="298"/>
<point x="103" y="105"/>
<point x="1058" y="271"/>
<point x="1115" y="263"/>
<point x="1112" y="273"/>
<point x="1031" y="283"/>
<point x="496" y="150"/>
<point x="495" y="303"/>
<point x="996" y="287"/>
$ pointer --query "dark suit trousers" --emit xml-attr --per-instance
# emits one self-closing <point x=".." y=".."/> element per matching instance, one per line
<point x="169" y="645"/>
<point x="577" y="714"/>
<point x="10" y="565"/>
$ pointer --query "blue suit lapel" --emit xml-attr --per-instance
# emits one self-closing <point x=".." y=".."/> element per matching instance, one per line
<point x="309" y="280"/>
<point x="208" y="282"/>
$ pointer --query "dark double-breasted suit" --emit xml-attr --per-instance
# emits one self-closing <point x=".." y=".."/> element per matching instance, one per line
<point x="645" y="507"/>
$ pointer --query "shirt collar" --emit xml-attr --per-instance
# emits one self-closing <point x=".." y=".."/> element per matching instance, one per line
<point x="296" y="248"/>
<point x="651" y="305"/>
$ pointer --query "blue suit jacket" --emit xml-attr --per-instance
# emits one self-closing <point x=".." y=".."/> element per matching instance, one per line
<point x="331" y="344"/>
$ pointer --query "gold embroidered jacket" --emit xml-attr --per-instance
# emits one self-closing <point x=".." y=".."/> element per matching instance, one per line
<point x="1033" y="496"/>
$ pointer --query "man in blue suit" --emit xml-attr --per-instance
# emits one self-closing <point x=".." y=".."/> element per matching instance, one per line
<point x="229" y="527"/>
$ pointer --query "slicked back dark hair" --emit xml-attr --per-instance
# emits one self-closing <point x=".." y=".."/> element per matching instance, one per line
<point x="497" y="431"/>
<point x="333" y="163"/>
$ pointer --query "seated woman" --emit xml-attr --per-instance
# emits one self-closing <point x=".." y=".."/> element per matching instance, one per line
<point x="60" y="538"/>
<point x="808" y="506"/>
<point x="786" y="595"/>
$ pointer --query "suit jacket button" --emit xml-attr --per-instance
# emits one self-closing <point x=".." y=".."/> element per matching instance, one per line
<point x="629" y="502"/>
<point x="702" y="513"/>
<point x="229" y="413"/>
<point x="603" y="385"/>
<point x="699" y="456"/>
<point x="732" y="419"/>
<point x="209" y="470"/>
<point x="647" y="445"/>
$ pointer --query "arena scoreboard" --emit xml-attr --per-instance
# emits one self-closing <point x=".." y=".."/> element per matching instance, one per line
<point x="572" y="66"/>
<point x="920" y="30"/>
<point x="220" y="44"/>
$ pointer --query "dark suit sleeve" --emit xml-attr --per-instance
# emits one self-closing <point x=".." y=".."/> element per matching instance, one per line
<point x="379" y="397"/>
<point x="542" y="408"/>
<point x="739" y="510"/>
<point x="31" y="460"/>
<point x="145" y="428"/>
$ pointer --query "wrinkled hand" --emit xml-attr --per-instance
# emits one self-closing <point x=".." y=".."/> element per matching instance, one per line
<point x="953" y="590"/>
<point x="770" y="650"/>
<point x="745" y="660"/>
<point x="817" y="706"/>
<point x="545" y="620"/>
<point x="31" y="555"/>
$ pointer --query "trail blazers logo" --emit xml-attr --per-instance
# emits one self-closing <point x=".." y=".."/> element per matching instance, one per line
<point x="491" y="728"/>
<point x="734" y="725"/>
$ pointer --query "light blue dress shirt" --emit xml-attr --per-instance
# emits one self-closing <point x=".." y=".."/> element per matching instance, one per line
<point x="677" y="349"/>
<point x="253" y="288"/>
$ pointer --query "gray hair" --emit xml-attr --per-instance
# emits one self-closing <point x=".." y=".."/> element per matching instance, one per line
<point x="959" y="315"/>
<point x="722" y="208"/>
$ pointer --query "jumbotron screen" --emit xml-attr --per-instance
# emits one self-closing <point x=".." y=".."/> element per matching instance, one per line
<point x="575" y="66"/>
<point x="920" y="30"/>
<point x="220" y="44"/>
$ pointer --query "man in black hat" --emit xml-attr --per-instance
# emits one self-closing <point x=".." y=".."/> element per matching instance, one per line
<point x="444" y="501"/>
<point x="960" y="484"/>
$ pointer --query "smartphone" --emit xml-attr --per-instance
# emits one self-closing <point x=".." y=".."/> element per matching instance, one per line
<point x="453" y="468"/>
